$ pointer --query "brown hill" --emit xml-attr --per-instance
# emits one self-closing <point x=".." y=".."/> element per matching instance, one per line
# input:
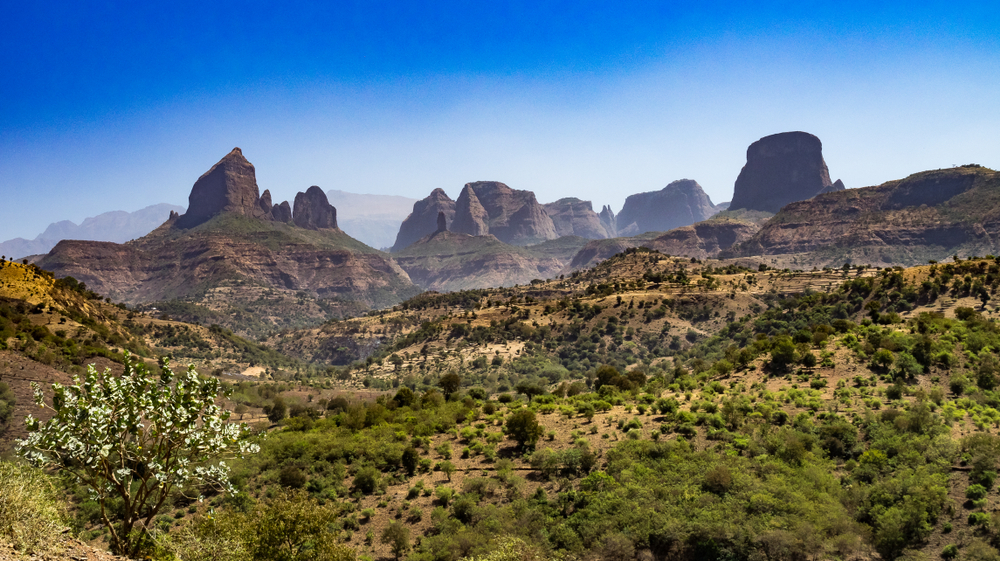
<point x="448" y="261"/>
<point x="928" y="215"/>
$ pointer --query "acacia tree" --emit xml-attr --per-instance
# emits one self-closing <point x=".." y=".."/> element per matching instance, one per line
<point x="135" y="440"/>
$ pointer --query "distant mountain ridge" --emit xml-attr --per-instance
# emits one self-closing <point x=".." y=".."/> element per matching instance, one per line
<point x="115" y="226"/>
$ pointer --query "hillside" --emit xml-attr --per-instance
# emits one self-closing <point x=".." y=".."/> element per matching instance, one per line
<point x="232" y="237"/>
<point x="931" y="215"/>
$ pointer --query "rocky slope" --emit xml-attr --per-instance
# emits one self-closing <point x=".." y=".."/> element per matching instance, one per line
<point x="423" y="220"/>
<point x="449" y="261"/>
<point x="573" y="217"/>
<point x="702" y="240"/>
<point x="680" y="203"/>
<point x="928" y="215"/>
<point x="513" y="216"/>
<point x="115" y="226"/>
<point x="781" y="169"/>
<point x="232" y="236"/>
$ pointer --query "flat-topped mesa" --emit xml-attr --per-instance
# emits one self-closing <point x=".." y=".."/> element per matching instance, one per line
<point x="230" y="186"/>
<point x="423" y="219"/>
<point x="781" y="169"/>
<point x="574" y="217"/>
<point x="680" y="203"/>
<point x="313" y="210"/>
<point x="513" y="216"/>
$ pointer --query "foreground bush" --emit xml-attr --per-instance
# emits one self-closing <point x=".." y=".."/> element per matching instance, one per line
<point x="30" y="512"/>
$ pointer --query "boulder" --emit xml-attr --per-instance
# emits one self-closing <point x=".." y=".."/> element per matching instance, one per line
<point x="313" y="211"/>
<point x="781" y="169"/>
<point x="681" y="203"/>
<point x="423" y="219"/>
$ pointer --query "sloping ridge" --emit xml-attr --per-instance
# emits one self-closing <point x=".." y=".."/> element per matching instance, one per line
<point x="928" y="215"/>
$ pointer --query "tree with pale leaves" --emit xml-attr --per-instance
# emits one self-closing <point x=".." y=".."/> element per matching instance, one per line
<point x="134" y="440"/>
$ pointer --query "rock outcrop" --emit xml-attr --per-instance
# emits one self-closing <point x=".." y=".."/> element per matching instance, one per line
<point x="442" y="223"/>
<point x="928" y="215"/>
<point x="313" y="211"/>
<point x="229" y="186"/>
<point x="609" y="221"/>
<point x="423" y="219"/>
<point x="573" y="217"/>
<point x="781" y="169"/>
<point x="680" y="203"/>
<point x="513" y="216"/>
<point x="282" y="212"/>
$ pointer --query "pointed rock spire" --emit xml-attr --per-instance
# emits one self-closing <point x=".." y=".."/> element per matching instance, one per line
<point x="313" y="210"/>
<point x="230" y="186"/>
<point x="442" y="222"/>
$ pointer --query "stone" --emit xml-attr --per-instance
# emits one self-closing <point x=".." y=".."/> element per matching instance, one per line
<point x="264" y="204"/>
<point x="229" y="186"/>
<point x="781" y="169"/>
<point x="680" y="203"/>
<point x="423" y="219"/>
<point x="312" y="210"/>
<point x="282" y="212"/>
<point x="442" y="222"/>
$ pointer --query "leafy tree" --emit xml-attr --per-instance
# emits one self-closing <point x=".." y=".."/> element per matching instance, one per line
<point x="529" y="389"/>
<point x="783" y="353"/>
<point x="410" y="459"/>
<point x="449" y="384"/>
<point x="447" y="467"/>
<point x="277" y="411"/>
<point x="397" y="537"/>
<point x="523" y="427"/>
<point x="134" y="440"/>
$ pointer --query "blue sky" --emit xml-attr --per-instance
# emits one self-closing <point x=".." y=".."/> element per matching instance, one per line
<point x="119" y="105"/>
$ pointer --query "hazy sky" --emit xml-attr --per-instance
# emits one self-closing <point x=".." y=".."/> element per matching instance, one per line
<point x="119" y="105"/>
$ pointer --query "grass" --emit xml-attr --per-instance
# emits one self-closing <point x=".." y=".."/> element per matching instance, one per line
<point x="31" y="514"/>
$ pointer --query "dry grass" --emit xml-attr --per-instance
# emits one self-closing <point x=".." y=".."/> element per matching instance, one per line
<point x="31" y="515"/>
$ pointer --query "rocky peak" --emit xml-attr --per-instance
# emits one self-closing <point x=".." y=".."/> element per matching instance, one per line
<point x="608" y="221"/>
<point x="681" y="203"/>
<point x="264" y="203"/>
<point x="470" y="216"/>
<point x="423" y="220"/>
<point x="313" y="210"/>
<point x="282" y="212"/>
<point x="780" y="169"/>
<point x="230" y="186"/>
<point x="574" y="217"/>
<point x="513" y="216"/>
<point x="442" y="223"/>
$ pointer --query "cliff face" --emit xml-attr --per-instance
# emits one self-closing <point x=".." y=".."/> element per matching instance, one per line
<point x="781" y="169"/>
<point x="573" y="217"/>
<point x="514" y="217"/>
<point x="423" y="219"/>
<point x="680" y="203"/>
<point x="928" y="215"/>
<point x="229" y="234"/>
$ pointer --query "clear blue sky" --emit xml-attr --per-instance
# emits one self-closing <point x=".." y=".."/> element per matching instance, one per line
<point x="118" y="105"/>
